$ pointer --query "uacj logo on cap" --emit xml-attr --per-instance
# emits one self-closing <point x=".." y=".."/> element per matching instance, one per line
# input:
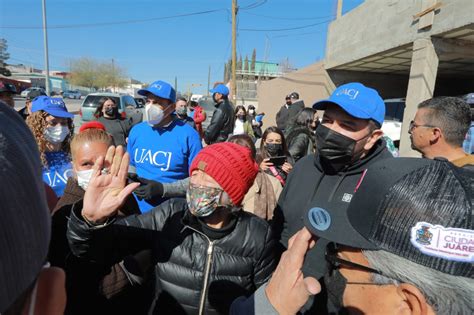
<point x="157" y="86"/>
<point x="352" y="93"/>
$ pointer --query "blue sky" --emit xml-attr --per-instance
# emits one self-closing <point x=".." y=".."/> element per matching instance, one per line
<point x="146" y="38"/>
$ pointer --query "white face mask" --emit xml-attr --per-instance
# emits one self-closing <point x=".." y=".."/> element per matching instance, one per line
<point x="153" y="114"/>
<point x="83" y="178"/>
<point x="56" y="134"/>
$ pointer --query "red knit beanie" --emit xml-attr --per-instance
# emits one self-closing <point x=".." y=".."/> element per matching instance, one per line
<point x="230" y="165"/>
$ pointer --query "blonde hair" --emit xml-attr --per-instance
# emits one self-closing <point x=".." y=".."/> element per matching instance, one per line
<point x="37" y="124"/>
<point x="88" y="136"/>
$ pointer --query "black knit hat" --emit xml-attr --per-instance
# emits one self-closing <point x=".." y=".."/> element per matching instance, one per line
<point x="24" y="216"/>
<point x="418" y="209"/>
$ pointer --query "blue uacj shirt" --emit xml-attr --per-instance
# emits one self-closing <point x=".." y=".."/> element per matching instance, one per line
<point x="58" y="171"/>
<point x="162" y="154"/>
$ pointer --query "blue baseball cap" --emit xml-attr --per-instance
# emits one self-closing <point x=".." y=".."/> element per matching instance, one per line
<point x="357" y="100"/>
<point x="161" y="89"/>
<point x="221" y="89"/>
<point x="52" y="105"/>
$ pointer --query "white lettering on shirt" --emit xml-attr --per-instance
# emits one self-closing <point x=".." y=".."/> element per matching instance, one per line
<point x="159" y="158"/>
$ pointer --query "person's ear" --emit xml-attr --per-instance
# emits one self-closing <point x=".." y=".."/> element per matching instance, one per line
<point x="374" y="137"/>
<point x="436" y="135"/>
<point x="414" y="299"/>
<point x="51" y="292"/>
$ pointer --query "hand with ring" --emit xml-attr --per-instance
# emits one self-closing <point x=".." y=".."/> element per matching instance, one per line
<point x="107" y="188"/>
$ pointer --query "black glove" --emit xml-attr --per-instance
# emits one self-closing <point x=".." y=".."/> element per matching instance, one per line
<point x="149" y="189"/>
<point x="132" y="178"/>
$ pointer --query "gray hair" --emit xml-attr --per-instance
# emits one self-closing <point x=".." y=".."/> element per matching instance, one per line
<point x="451" y="114"/>
<point x="446" y="294"/>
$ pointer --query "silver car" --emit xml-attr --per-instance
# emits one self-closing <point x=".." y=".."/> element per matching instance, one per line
<point x="75" y="94"/>
<point x="126" y="104"/>
<point x="26" y="92"/>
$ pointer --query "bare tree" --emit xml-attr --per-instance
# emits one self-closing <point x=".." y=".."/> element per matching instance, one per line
<point x="91" y="73"/>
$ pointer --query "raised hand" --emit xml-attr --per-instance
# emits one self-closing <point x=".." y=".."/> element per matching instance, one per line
<point x="287" y="290"/>
<point x="107" y="191"/>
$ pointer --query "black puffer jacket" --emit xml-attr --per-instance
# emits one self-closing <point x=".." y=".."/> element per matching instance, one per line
<point x="222" y="123"/>
<point x="300" y="142"/>
<point x="195" y="273"/>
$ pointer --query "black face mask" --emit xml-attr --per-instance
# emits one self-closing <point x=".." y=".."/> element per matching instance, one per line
<point x="335" y="284"/>
<point x="273" y="148"/>
<point x="335" y="149"/>
<point x="111" y="111"/>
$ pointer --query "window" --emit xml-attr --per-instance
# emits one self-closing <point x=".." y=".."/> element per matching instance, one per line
<point x="394" y="111"/>
<point x="93" y="100"/>
<point x="130" y="102"/>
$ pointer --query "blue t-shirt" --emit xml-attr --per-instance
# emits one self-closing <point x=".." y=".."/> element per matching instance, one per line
<point x="58" y="171"/>
<point x="162" y="154"/>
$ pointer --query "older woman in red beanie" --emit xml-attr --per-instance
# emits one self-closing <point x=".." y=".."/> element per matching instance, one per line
<point x="207" y="251"/>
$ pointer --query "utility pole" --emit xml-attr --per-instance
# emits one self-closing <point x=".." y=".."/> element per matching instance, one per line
<point x="46" y="58"/>
<point x="339" y="9"/>
<point x="234" y="48"/>
<point x="176" y="84"/>
<point x="208" y="80"/>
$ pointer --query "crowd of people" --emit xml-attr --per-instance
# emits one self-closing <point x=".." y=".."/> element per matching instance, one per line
<point x="314" y="215"/>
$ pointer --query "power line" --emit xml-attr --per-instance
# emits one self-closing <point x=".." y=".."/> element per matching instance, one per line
<point x="283" y="29"/>
<point x="292" y="18"/>
<point x="253" y="5"/>
<point x="298" y="34"/>
<point x="112" y="23"/>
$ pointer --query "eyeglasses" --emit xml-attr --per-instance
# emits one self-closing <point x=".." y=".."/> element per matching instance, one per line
<point x="413" y="126"/>
<point x="335" y="263"/>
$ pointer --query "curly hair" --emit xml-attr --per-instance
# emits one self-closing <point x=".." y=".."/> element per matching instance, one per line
<point x="37" y="124"/>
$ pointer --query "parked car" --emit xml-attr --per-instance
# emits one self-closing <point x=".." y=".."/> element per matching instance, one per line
<point x="75" y="94"/>
<point x="126" y="105"/>
<point x="392" y="125"/>
<point x="27" y="91"/>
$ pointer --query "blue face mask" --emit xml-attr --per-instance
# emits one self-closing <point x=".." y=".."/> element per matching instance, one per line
<point x="203" y="201"/>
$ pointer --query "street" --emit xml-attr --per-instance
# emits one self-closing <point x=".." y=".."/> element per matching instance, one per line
<point x="72" y="105"/>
